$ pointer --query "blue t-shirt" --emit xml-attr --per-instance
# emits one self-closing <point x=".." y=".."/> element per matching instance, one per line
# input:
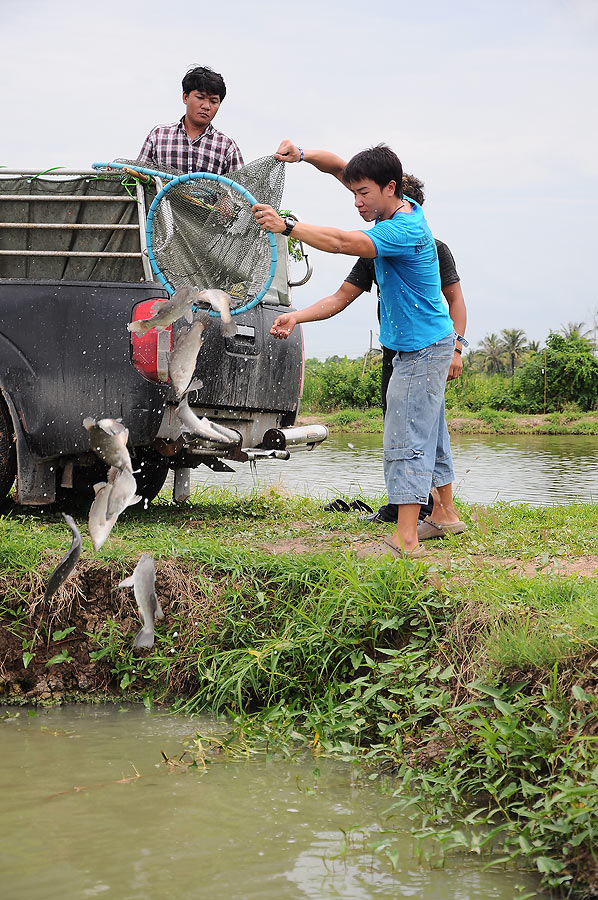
<point x="412" y="312"/>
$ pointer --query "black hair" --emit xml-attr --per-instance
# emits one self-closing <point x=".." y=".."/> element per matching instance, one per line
<point x="414" y="188"/>
<point x="204" y="80"/>
<point x="379" y="164"/>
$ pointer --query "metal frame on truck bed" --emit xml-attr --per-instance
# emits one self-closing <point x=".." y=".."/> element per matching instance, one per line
<point x="74" y="273"/>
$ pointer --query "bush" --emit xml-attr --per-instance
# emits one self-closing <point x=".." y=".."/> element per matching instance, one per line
<point x="475" y="391"/>
<point x="571" y="377"/>
<point x="342" y="383"/>
<point x="571" y="383"/>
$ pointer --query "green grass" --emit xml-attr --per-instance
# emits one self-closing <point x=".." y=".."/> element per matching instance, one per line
<point x="484" y="421"/>
<point x="474" y="682"/>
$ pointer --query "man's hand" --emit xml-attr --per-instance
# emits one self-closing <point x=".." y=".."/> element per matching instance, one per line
<point x="288" y="152"/>
<point x="283" y="325"/>
<point x="456" y="367"/>
<point x="268" y="219"/>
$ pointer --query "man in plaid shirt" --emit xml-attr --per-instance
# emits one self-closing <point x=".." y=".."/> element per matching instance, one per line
<point x="193" y="144"/>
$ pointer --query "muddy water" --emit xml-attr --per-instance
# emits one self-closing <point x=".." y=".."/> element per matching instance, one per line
<point x="77" y="822"/>
<point x="536" y="469"/>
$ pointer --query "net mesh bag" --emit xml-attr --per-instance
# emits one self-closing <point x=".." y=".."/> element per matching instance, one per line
<point x="204" y="234"/>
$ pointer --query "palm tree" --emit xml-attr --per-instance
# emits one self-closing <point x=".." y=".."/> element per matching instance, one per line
<point x="533" y="347"/>
<point x="514" y="344"/>
<point x="493" y="352"/>
<point x="574" y="330"/>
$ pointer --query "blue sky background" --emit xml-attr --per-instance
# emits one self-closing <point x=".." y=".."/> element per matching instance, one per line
<point x="492" y="104"/>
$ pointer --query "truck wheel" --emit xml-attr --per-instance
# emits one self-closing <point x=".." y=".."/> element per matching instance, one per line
<point x="153" y="469"/>
<point x="8" y="453"/>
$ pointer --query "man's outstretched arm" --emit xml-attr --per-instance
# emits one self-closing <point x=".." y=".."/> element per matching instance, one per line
<point x="323" y="160"/>
<point x="323" y="309"/>
<point x="322" y="237"/>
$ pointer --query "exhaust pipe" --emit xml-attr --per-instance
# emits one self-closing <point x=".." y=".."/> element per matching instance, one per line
<point x="298" y="437"/>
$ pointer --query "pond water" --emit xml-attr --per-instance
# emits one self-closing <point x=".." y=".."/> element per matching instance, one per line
<point x="536" y="469"/>
<point x="78" y="822"/>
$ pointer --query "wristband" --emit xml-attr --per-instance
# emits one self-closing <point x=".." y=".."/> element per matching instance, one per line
<point x="300" y="149"/>
<point x="458" y="351"/>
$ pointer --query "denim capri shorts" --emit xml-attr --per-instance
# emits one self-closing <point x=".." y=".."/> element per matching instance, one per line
<point x="417" y="450"/>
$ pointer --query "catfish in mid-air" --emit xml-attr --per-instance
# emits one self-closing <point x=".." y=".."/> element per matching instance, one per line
<point x="67" y="563"/>
<point x="168" y="311"/>
<point x="203" y="428"/>
<point x="182" y="360"/>
<point x="220" y="301"/>
<point x="143" y="582"/>
<point x="123" y="493"/>
<point x="108" y="439"/>
<point x="100" y="524"/>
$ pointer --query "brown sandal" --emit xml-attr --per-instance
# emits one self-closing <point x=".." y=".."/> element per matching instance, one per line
<point x="387" y="548"/>
<point x="429" y="530"/>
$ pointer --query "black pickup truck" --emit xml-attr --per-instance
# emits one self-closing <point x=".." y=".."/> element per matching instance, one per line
<point x="73" y="273"/>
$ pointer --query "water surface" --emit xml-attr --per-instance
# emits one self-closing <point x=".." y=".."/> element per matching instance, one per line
<point x="77" y="822"/>
<point x="537" y="469"/>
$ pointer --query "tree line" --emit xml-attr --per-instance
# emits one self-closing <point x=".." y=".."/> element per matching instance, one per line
<point x="500" y="354"/>
<point x="505" y="372"/>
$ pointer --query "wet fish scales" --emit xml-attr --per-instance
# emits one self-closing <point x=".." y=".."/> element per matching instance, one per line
<point x="68" y="562"/>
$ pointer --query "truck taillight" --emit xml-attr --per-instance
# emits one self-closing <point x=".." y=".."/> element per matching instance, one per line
<point x="302" y="375"/>
<point x="150" y="351"/>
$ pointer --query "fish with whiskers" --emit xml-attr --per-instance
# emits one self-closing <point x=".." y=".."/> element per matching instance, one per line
<point x="203" y="428"/>
<point x="143" y="582"/>
<point x="183" y="358"/>
<point x="108" y="439"/>
<point x="68" y="562"/>
<point x="100" y="524"/>
<point x="220" y="301"/>
<point x="123" y="493"/>
<point x="165" y="312"/>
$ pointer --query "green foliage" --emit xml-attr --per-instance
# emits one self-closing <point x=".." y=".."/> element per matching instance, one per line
<point x="474" y="392"/>
<point x="339" y="383"/>
<point x="571" y="383"/>
<point x="571" y="376"/>
<point x="478" y="686"/>
<point x="528" y="765"/>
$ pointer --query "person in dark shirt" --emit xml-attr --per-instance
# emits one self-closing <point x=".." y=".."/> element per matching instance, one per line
<point x="363" y="277"/>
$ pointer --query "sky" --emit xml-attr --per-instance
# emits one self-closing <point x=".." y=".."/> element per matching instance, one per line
<point x="491" y="104"/>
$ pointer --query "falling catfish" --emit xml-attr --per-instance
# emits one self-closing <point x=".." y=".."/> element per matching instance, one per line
<point x="203" y="428"/>
<point x="143" y="582"/>
<point x="100" y="524"/>
<point x="108" y="439"/>
<point x="67" y="563"/>
<point x="168" y="311"/>
<point x="182" y="360"/>
<point x="220" y="301"/>
<point x="123" y="493"/>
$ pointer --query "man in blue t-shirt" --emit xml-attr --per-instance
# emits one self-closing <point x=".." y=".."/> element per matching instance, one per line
<point x="414" y="322"/>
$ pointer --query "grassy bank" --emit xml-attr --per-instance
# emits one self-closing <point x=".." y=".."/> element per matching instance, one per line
<point x="485" y="421"/>
<point x="473" y="676"/>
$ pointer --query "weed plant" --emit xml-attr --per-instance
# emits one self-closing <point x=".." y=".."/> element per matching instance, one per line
<point x="475" y="684"/>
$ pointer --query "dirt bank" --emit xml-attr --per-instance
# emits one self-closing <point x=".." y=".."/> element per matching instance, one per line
<point x="40" y="663"/>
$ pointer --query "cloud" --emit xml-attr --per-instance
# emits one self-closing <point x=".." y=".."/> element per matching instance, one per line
<point x="492" y="105"/>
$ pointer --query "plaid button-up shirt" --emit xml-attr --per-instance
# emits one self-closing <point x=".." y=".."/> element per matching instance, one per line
<point x="170" y="146"/>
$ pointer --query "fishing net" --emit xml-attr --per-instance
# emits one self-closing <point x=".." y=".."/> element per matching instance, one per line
<point x="203" y="233"/>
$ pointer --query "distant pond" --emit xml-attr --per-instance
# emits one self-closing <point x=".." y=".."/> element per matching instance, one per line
<point x="539" y="470"/>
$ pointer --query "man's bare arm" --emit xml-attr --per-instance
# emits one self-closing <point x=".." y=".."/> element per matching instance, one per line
<point x="326" y="162"/>
<point x="323" y="309"/>
<point x="322" y="237"/>
<point x="458" y="313"/>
